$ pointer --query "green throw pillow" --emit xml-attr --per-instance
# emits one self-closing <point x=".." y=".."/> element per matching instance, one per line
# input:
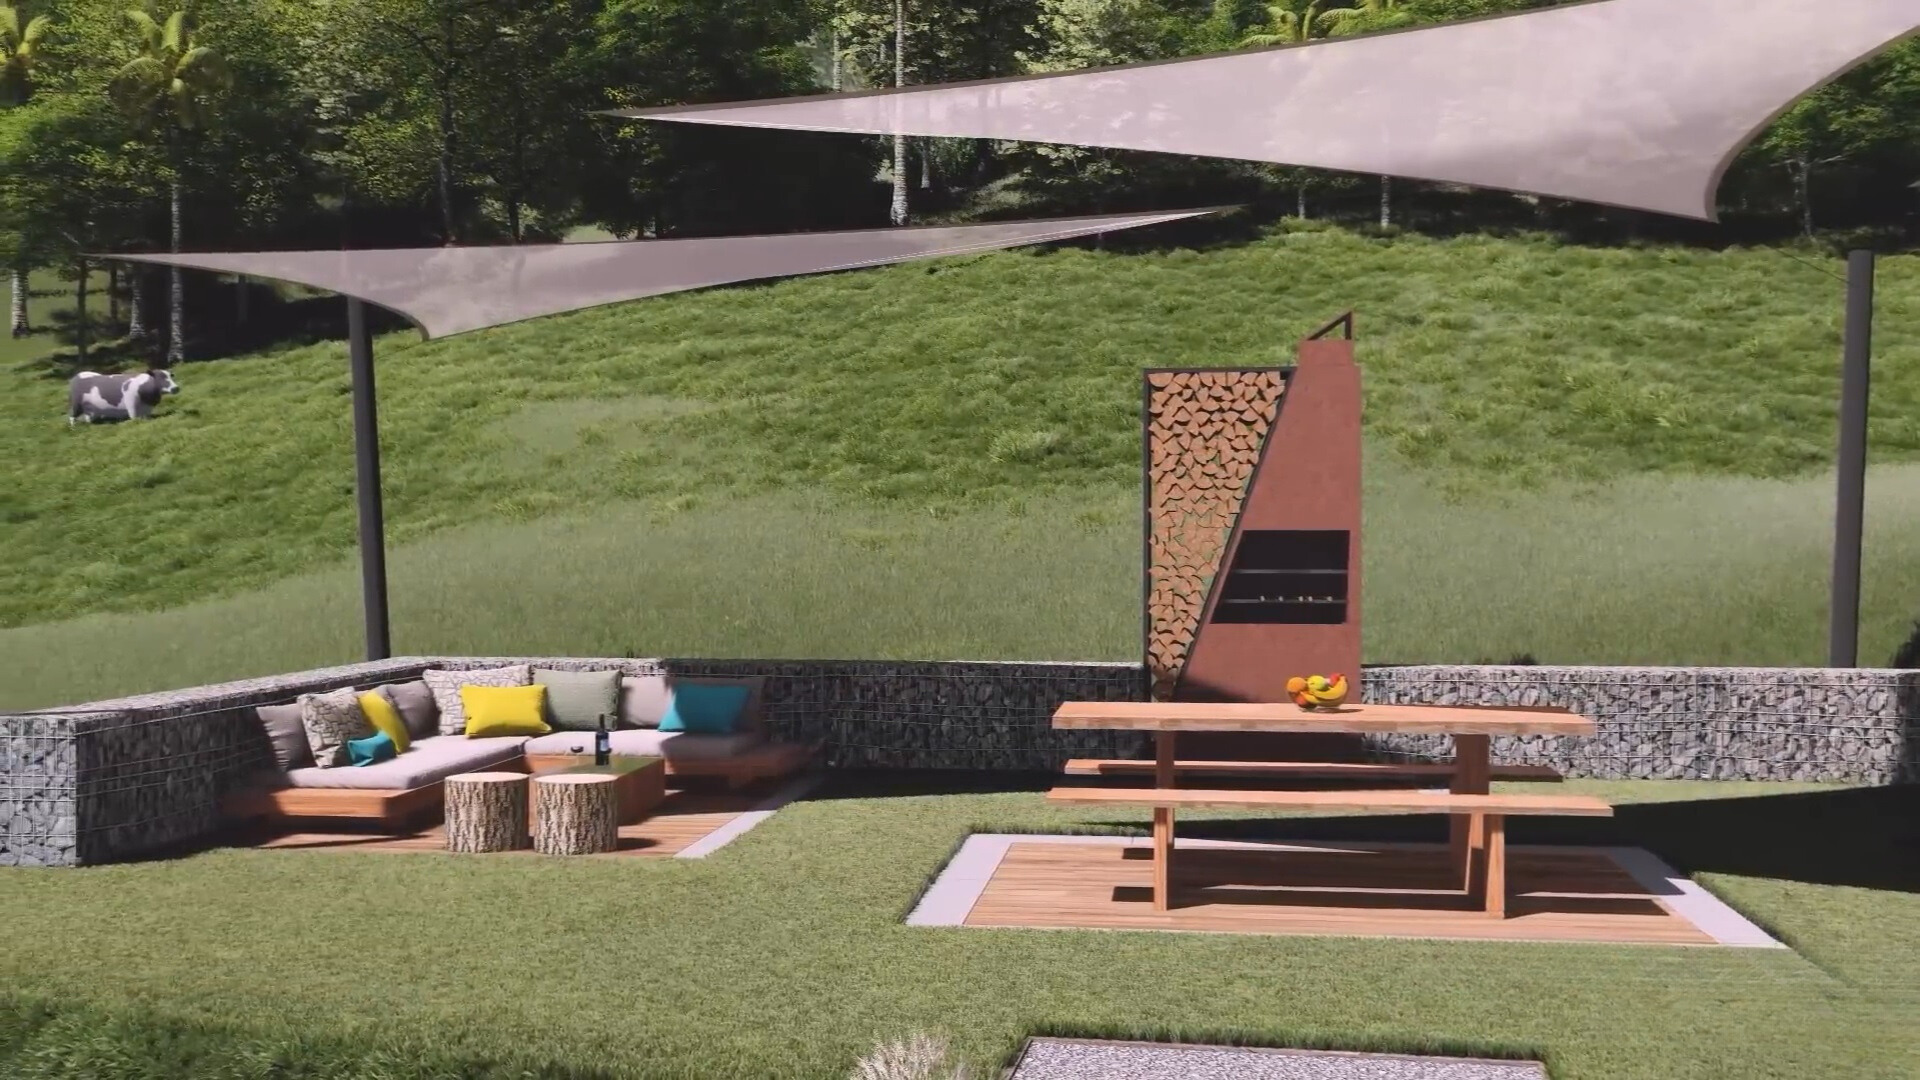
<point x="577" y="699"/>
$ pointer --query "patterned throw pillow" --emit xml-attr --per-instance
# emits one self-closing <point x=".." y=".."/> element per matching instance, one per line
<point x="446" y="690"/>
<point x="332" y="719"/>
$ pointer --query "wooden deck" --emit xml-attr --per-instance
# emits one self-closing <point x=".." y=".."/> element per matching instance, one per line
<point x="683" y="819"/>
<point x="1368" y="890"/>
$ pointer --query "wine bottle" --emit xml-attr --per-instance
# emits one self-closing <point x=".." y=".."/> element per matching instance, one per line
<point x="602" y="743"/>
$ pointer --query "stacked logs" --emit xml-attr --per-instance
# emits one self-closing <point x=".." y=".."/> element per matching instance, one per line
<point x="1205" y="430"/>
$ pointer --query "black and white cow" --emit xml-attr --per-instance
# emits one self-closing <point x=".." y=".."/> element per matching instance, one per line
<point x="95" y="398"/>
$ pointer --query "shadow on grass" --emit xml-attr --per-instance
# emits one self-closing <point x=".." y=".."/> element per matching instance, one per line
<point x="1865" y="838"/>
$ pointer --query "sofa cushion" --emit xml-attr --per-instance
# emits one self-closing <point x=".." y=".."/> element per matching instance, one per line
<point x="504" y="710"/>
<point x="648" y="742"/>
<point x="331" y="719"/>
<point x="446" y="690"/>
<point x="385" y="719"/>
<point x="415" y="702"/>
<point x="287" y="735"/>
<point x="372" y="750"/>
<point x="431" y="760"/>
<point x="751" y="716"/>
<point x="576" y="700"/>
<point x="705" y="708"/>
<point x="643" y="700"/>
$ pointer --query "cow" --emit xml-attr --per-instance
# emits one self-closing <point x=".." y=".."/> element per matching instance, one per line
<point x="95" y="398"/>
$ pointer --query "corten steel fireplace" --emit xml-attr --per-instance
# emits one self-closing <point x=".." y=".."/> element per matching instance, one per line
<point x="1252" y="531"/>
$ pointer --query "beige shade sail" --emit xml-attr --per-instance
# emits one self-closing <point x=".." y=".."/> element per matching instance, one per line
<point x="451" y="290"/>
<point x="1631" y="103"/>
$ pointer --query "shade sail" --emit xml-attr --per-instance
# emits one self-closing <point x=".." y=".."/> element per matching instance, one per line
<point x="451" y="290"/>
<point x="1632" y="103"/>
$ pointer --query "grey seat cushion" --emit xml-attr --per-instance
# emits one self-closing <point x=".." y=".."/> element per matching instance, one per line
<point x="428" y="761"/>
<point x="648" y="742"/>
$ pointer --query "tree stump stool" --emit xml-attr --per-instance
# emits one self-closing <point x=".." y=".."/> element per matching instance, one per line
<point x="575" y="814"/>
<point x="486" y="811"/>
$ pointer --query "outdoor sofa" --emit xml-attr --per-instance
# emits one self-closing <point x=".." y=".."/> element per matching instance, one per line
<point x="408" y="785"/>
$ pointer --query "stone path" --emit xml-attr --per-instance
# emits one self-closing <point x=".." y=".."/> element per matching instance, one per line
<point x="1073" y="1059"/>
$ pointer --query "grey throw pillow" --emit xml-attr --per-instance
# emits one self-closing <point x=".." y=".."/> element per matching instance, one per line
<point x="331" y="719"/>
<point x="287" y="735"/>
<point x="643" y="700"/>
<point x="415" y="704"/>
<point x="446" y="690"/>
<point x="577" y="699"/>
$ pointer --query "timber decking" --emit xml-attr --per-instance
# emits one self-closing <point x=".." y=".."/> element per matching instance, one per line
<point x="682" y="820"/>
<point x="1366" y="890"/>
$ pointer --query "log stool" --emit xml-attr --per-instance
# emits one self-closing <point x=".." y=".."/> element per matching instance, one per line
<point x="575" y="814"/>
<point x="486" y="811"/>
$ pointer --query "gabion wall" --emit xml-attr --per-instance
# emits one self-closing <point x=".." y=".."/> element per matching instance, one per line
<point x="114" y="779"/>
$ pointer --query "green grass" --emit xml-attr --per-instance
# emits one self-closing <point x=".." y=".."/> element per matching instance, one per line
<point x="1650" y="571"/>
<point x="784" y="956"/>
<point x="970" y="383"/>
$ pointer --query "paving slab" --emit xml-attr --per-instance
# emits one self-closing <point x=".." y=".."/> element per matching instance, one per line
<point x="1087" y="1059"/>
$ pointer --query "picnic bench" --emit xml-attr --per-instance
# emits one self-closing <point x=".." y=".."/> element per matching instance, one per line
<point x="1478" y="818"/>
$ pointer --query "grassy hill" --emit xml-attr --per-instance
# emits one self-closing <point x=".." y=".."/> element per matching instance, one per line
<point x="1616" y="405"/>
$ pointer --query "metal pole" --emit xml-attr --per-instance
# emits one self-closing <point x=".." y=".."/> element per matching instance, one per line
<point x="366" y="453"/>
<point x="1843" y="636"/>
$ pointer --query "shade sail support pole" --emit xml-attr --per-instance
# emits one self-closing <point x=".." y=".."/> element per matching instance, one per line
<point x="366" y="455"/>
<point x="1843" y="634"/>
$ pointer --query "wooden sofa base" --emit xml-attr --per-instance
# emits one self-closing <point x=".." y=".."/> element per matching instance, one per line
<point x="393" y="809"/>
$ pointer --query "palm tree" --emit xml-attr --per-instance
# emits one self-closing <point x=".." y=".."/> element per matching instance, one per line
<point x="17" y="41"/>
<point x="169" y="87"/>
<point x="1287" y="24"/>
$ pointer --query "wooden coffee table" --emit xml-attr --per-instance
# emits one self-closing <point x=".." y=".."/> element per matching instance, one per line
<point x="640" y="784"/>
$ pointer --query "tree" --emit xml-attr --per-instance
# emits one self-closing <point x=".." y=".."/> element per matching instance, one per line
<point x="531" y="108"/>
<point x="1369" y="15"/>
<point x="170" y="88"/>
<point x="898" y="211"/>
<point x="952" y="40"/>
<point x="73" y="179"/>
<point x="1287" y="24"/>
<point x="19" y="40"/>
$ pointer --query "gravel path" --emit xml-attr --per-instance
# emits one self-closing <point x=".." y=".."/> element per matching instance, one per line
<point x="1064" y="1059"/>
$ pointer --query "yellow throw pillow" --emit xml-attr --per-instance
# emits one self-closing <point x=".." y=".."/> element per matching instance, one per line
<point x="385" y="719"/>
<point x="504" y="710"/>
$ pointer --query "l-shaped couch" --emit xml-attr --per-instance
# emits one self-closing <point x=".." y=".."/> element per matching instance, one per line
<point x="408" y="786"/>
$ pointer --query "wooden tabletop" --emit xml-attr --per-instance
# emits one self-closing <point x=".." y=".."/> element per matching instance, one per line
<point x="1288" y="717"/>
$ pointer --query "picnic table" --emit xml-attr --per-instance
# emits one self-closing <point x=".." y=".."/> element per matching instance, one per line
<point x="1477" y="833"/>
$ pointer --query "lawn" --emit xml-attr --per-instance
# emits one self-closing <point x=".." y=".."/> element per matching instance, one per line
<point x="1643" y="429"/>
<point x="784" y="956"/>
<point x="1712" y="570"/>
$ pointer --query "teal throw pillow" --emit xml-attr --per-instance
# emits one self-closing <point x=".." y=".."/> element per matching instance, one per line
<point x="704" y="708"/>
<point x="369" y="751"/>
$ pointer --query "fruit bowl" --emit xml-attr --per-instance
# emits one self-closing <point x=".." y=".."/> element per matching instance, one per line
<point x="1318" y="691"/>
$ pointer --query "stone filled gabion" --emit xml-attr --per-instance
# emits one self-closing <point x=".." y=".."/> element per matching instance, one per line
<point x="121" y="778"/>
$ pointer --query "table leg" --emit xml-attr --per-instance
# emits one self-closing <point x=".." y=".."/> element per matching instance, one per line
<point x="1162" y="856"/>
<point x="1472" y="771"/>
<point x="1493" y="872"/>
<point x="1163" y="748"/>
